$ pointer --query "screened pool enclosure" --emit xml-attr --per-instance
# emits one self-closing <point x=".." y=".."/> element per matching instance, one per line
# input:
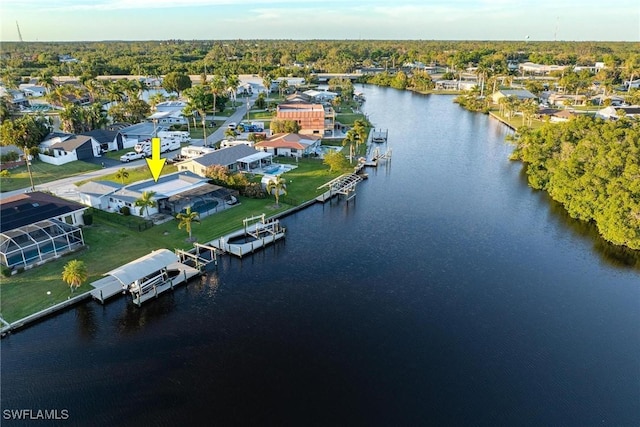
<point x="38" y="242"/>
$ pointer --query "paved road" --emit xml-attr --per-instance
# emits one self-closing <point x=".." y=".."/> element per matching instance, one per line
<point x="67" y="189"/>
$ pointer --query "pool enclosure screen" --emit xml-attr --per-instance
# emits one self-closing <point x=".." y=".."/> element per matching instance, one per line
<point x="38" y="242"/>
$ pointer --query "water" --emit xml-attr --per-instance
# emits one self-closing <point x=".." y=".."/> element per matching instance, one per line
<point x="447" y="293"/>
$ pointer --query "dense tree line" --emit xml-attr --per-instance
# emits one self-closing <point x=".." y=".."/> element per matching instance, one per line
<point x="277" y="57"/>
<point x="592" y="167"/>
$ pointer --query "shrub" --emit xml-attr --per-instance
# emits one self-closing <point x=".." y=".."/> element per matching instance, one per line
<point x="5" y="271"/>
<point x="87" y="217"/>
<point x="125" y="210"/>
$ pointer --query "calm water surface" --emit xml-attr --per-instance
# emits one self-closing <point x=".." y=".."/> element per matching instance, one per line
<point x="448" y="293"/>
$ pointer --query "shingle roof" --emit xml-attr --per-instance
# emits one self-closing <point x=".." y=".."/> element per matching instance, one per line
<point x="102" y="135"/>
<point x="225" y="156"/>
<point x="99" y="188"/>
<point x="72" y="143"/>
<point x="24" y="209"/>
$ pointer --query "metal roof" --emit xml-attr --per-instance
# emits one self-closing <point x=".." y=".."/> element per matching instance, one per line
<point x="148" y="264"/>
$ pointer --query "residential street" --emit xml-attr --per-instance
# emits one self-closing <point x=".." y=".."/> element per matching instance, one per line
<point x="66" y="188"/>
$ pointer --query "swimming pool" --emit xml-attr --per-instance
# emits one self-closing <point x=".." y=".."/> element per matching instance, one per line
<point x="276" y="169"/>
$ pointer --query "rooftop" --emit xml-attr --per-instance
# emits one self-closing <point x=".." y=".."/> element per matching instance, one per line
<point x="24" y="209"/>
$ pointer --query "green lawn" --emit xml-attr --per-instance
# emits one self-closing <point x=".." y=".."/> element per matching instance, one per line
<point x="42" y="173"/>
<point x="110" y="245"/>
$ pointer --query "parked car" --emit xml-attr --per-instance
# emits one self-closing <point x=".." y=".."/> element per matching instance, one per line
<point x="232" y="125"/>
<point x="131" y="155"/>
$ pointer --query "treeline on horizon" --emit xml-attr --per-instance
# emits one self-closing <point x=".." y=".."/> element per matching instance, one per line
<point x="277" y="57"/>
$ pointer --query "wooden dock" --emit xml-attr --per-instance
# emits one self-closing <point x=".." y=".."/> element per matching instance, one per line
<point x="343" y="185"/>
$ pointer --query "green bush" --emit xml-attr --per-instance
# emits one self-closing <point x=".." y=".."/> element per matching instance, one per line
<point x="125" y="210"/>
<point x="87" y="217"/>
<point x="5" y="271"/>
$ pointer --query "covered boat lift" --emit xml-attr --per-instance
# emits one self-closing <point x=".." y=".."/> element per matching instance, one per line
<point x="145" y="277"/>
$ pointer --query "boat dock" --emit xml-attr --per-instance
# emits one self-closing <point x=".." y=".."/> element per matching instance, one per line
<point x="343" y="185"/>
<point x="145" y="277"/>
<point x="379" y="135"/>
<point x="251" y="237"/>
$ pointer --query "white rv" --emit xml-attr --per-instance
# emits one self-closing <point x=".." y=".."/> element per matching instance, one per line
<point x="180" y="136"/>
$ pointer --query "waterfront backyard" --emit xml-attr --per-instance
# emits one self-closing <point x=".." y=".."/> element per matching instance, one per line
<point x="110" y="243"/>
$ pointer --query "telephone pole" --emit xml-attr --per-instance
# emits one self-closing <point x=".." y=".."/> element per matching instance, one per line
<point x="28" y="162"/>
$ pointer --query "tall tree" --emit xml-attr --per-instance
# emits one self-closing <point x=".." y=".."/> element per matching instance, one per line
<point x="176" y="82"/>
<point x="217" y="87"/>
<point x="186" y="219"/>
<point x="266" y="82"/>
<point x="199" y="98"/>
<point x="75" y="273"/>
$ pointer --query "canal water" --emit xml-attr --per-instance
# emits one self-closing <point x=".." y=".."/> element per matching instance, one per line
<point x="446" y="293"/>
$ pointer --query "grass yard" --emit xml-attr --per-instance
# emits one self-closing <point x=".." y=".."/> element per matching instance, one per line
<point x="42" y="173"/>
<point x="110" y="245"/>
<point x="348" y="118"/>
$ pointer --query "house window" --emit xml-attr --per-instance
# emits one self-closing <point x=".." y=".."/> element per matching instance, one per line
<point x="68" y="219"/>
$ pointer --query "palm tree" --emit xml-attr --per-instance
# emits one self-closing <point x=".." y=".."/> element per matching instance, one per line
<point x="122" y="175"/>
<point x="145" y="202"/>
<point x="279" y="184"/>
<point x="155" y="99"/>
<point x="74" y="273"/>
<point x="114" y="91"/>
<point x="217" y="88"/>
<point x="232" y="86"/>
<point x="282" y="86"/>
<point x="186" y="219"/>
<point x="266" y="82"/>
<point x="47" y="81"/>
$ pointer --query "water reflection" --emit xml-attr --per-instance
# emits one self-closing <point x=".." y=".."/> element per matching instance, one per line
<point x="134" y="319"/>
<point x="86" y="321"/>
<point x="612" y="255"/>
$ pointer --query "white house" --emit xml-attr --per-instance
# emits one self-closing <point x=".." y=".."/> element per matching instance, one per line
<point x="320" y="95"/>
<point x="173" y="193"/>
<point x="133" y="134"/>
<point x="290" y="144"/>
<point x="612" y="113"/>
<point x="632" y="84"/>
<point x="32" y="90"/>
<point x="61" y="150"/>
<point x="168" y="118"/>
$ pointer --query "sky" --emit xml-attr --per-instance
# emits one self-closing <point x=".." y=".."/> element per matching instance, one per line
<point x="78" y="20"/>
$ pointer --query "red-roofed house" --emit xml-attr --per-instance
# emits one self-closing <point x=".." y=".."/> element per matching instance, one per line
<point x="289" y="144"/>
<point x="310" y="117"/>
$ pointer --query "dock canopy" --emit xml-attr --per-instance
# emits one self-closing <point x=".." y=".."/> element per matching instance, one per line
<point x="145" y="266"/>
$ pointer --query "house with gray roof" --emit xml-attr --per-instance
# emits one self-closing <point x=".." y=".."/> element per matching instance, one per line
<point x="133" y="134"/>
<point x="173" y="193"/>
<point x="228" y="157"/>
<point x="109" y="140"/>
<point x="96" y="193"/>
<point x="521" y="94"/>
<point x="69" y="148"/>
